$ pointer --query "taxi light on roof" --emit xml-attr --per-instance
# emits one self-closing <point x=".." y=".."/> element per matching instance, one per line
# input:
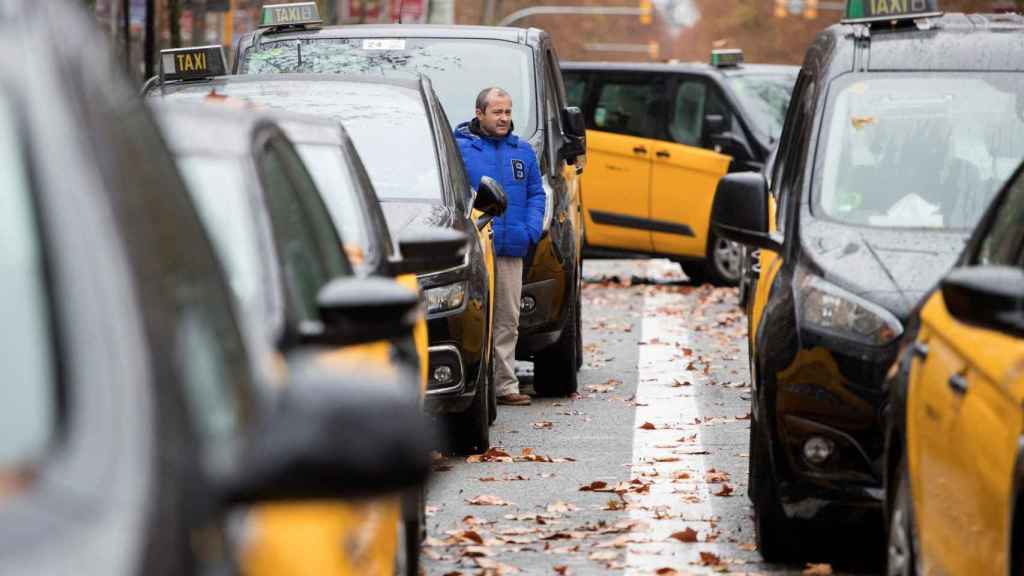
<point x="194" y="63"/>
<point x="890" y="10"/>
<point x="297" y="14"/>
<point x="726" y="58"/>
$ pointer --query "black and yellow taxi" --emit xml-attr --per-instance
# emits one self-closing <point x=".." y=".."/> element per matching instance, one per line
<point x="284" y="260"/>
<point x="461" y="61"/>
<point x="401" y="135"/>
<point x="137" y="414"/>
<point x="954" y="463"/>
<point x="903" y="124"/>
<point x="659" y="137"/>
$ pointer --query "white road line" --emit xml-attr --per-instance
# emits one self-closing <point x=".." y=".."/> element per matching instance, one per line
<point x="674" y="448"/>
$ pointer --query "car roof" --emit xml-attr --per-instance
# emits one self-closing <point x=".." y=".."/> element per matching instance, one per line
<point x="191" y="127"/>
<point x="951" y="42"/>
<point x="508" y="34"/>
<point x="682" y="68"/>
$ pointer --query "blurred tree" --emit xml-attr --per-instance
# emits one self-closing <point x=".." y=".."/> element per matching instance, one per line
<point x="174" y="15"/>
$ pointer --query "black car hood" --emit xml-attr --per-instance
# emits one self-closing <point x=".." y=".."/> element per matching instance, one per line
<point x="892" y="268"/>
<point x="402" y="214"/>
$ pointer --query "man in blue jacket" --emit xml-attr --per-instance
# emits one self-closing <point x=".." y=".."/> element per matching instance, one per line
<point x="489" y="148"/>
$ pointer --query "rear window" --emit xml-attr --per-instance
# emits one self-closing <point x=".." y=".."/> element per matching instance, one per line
<point x="388" y="125"/>
<point x="459" y="68"/>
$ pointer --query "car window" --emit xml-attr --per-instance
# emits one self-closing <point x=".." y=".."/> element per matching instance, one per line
<point x="765" y="97"/>
<point x="458" y="67"/>
<point x="788" y="166"/>
<point x="305" y="258"/>
<point x="918" y="150"/>
<point x="217" y="185"/>
<point x="330" y="171"/>
<point x="1002" y="243"/>
<point x="28" y="389"/>
<point x="625" y="106"/>
<point x="575" y="88"/>
<point x="687" y="125"/>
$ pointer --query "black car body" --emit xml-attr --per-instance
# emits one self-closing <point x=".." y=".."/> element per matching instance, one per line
<point x="402" y="137"/>
<point x="133" y="414"/>
<point x="878" y="182"/>
<point x="469" y="59"/>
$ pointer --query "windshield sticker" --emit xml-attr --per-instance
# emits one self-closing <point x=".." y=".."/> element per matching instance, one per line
<point x="860" y="122"/>
<point x="384" y="44"/>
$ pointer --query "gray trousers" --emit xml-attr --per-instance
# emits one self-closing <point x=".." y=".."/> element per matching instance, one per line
<point x="508" y="289"/>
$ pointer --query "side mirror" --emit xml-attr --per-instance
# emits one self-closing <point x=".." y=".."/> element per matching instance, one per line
<point x="361" y="310"/>
<point x="986" y="296"/>
<point x="572" y="119"/>
<point x="490" y="199"/>
<point x="331" y="437"/>
<point x="429" y="249"/>
<point x="740" y="210"/>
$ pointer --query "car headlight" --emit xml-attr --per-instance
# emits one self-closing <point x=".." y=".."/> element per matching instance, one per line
<point x="445" y="298"/>
<point x="828" y="308"/>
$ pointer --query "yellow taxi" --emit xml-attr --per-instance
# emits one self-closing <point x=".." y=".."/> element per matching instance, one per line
<point x="955" y="418"/>
<point x="659" y="138"/>
<point x="278" y="235"/>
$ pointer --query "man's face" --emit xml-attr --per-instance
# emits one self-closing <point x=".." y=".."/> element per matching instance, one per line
<point x="497" y="119"/>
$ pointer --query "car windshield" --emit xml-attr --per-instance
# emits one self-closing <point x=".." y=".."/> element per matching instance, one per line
<point x="918" y="150"/>
<point x="28" y="390"/>
<point x="388" y="125"/>
<point x="765" y="97"/>
<point x="218" y="186"/>
<point x="459" y="68"/>
<point x="330" y="172"/>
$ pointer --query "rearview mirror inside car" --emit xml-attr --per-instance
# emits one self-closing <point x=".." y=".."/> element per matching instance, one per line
<point x="740" y="210"/>
<point x="986" y="296"/>
<point x="361" y="310"/>
<point x="327" y="437"/>
<point x="429" y="249"/>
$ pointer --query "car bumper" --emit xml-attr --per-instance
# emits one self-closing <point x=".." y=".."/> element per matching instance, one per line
<point x="547" y="290"/>
<point x="457" y="349"/>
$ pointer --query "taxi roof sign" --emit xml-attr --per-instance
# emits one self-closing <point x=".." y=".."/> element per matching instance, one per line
<point x="195" y="63"/>
<point x="296" y="14"/>
<point x="890" y="10"/>
<point x="726" y="58"/>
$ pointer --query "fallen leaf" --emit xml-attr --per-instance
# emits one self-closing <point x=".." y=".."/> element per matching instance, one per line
<point x="648" y="426"/>
<point x="688" y="535"/>
<point x="666" y="459"/>
<point x="543" y="425"/>
<point x="818" y="569"/>
<point x="603" y="555"/>
<point x="562" y="570"/>
<point x="488" y="479"/>
<point x="477" y="552"/>
<point x="666" y="572"/>
<point x="492" y="455"/>
<point x="726" y="490"/>
<point x="595" y="486"/>
<point x="750" y="547"/>
<point x="716" y="476"/>
<point x="709" y="559"/>
<point x="487" y="500"/>
<point x="615" y="504"/>
<point x="557" y="536"/>
<point x="678" y="384"/>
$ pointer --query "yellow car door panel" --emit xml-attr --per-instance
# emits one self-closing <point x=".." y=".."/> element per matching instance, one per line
<point x="616" y="191"/>
<point x="617" y="181"/>
<point x="683" y="183"/>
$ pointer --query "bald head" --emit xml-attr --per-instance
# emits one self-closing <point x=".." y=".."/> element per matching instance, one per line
<point x="494" y="111"/>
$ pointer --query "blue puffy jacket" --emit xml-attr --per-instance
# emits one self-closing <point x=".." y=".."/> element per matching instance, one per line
<point x="513" y="164"/>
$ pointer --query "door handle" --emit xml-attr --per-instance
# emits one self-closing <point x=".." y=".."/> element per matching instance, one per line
<point x="958" y="383"/>
<point x="663" y="154"/>
<point x="920" y="350"/>
<point x="639" y="150"/>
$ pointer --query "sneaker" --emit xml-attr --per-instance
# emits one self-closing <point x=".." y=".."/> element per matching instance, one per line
<point x="514" y="400"/>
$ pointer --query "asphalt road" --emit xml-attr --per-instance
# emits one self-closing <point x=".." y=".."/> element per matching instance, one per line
<point x="645" y="472"/>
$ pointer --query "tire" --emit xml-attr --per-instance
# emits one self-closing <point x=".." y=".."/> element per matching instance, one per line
<point x="411" y="533"/>
<point x="694" y="271"/>
<point x="492" y="396"/>
<point x="555" y="369"/>
<point x="470" y="431"/>
<point x="723" y="265"/>
<point x="776" y="535"/>
<point x="901" y="543"/>
<point x="579" y="320"/>
<point x="745" y="276"/>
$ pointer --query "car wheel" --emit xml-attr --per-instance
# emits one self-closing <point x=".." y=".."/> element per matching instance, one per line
<point x="744" y="282"/>
<point x="723" y="263"/>
<point x="492" y="395"/>
<point x="555" y="369"/>
<point x="776" y="535"/>
<point x="579" y="320"/>
<point x="901" y="550"/>
<point x="470" y="431"/>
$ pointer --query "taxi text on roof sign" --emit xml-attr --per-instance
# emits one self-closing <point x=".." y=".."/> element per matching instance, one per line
<point x="192" y="63"/>
<point x="886" y="10"/>
<point x="298" y="14"/>
<point x="726" y="58"/>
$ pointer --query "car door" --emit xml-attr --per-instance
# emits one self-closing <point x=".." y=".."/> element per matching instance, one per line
<point x="971" y="389"/>
<point x="616" y="184"/>
<point x="685" y="170"/>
